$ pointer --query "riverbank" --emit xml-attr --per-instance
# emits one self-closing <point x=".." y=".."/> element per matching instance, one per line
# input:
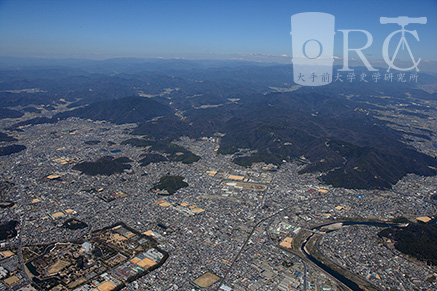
<point x="354" y="282"/>
<point x="306" y="243"/>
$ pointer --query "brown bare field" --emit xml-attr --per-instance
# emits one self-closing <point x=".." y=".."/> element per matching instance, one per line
<point x="207" y="280"/>
<point x="58" y="266"/>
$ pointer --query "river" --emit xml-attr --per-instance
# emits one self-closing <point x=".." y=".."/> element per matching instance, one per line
<point x="351" y="284"/>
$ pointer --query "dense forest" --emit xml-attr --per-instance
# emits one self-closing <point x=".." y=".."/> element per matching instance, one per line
<point x="417" y="240"/>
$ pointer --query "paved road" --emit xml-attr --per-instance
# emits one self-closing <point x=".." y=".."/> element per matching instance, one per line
<point x="222" y="281"/>
<point x="26" y="278"/>
<point x="291" y="253"/>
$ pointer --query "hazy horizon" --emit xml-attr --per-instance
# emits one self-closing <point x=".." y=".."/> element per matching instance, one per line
<point x="241" y="30"/>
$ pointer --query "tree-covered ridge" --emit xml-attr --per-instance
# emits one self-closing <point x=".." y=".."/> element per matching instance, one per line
<point x="417" y="240"/>
<point x="104" y="166"/>
<point x="171" y="183"/>
<point x="171" y="151"/>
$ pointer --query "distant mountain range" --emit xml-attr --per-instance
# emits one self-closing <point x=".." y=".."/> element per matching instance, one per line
<point x="8" y="113"/>
<point x="123" y="110"/>
<point x="331" y="129"/>
<point x="351" y="146"/>
<point x="132" y="109"/>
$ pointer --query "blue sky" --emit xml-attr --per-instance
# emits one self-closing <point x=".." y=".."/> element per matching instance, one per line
<point x="194" y="29"/>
